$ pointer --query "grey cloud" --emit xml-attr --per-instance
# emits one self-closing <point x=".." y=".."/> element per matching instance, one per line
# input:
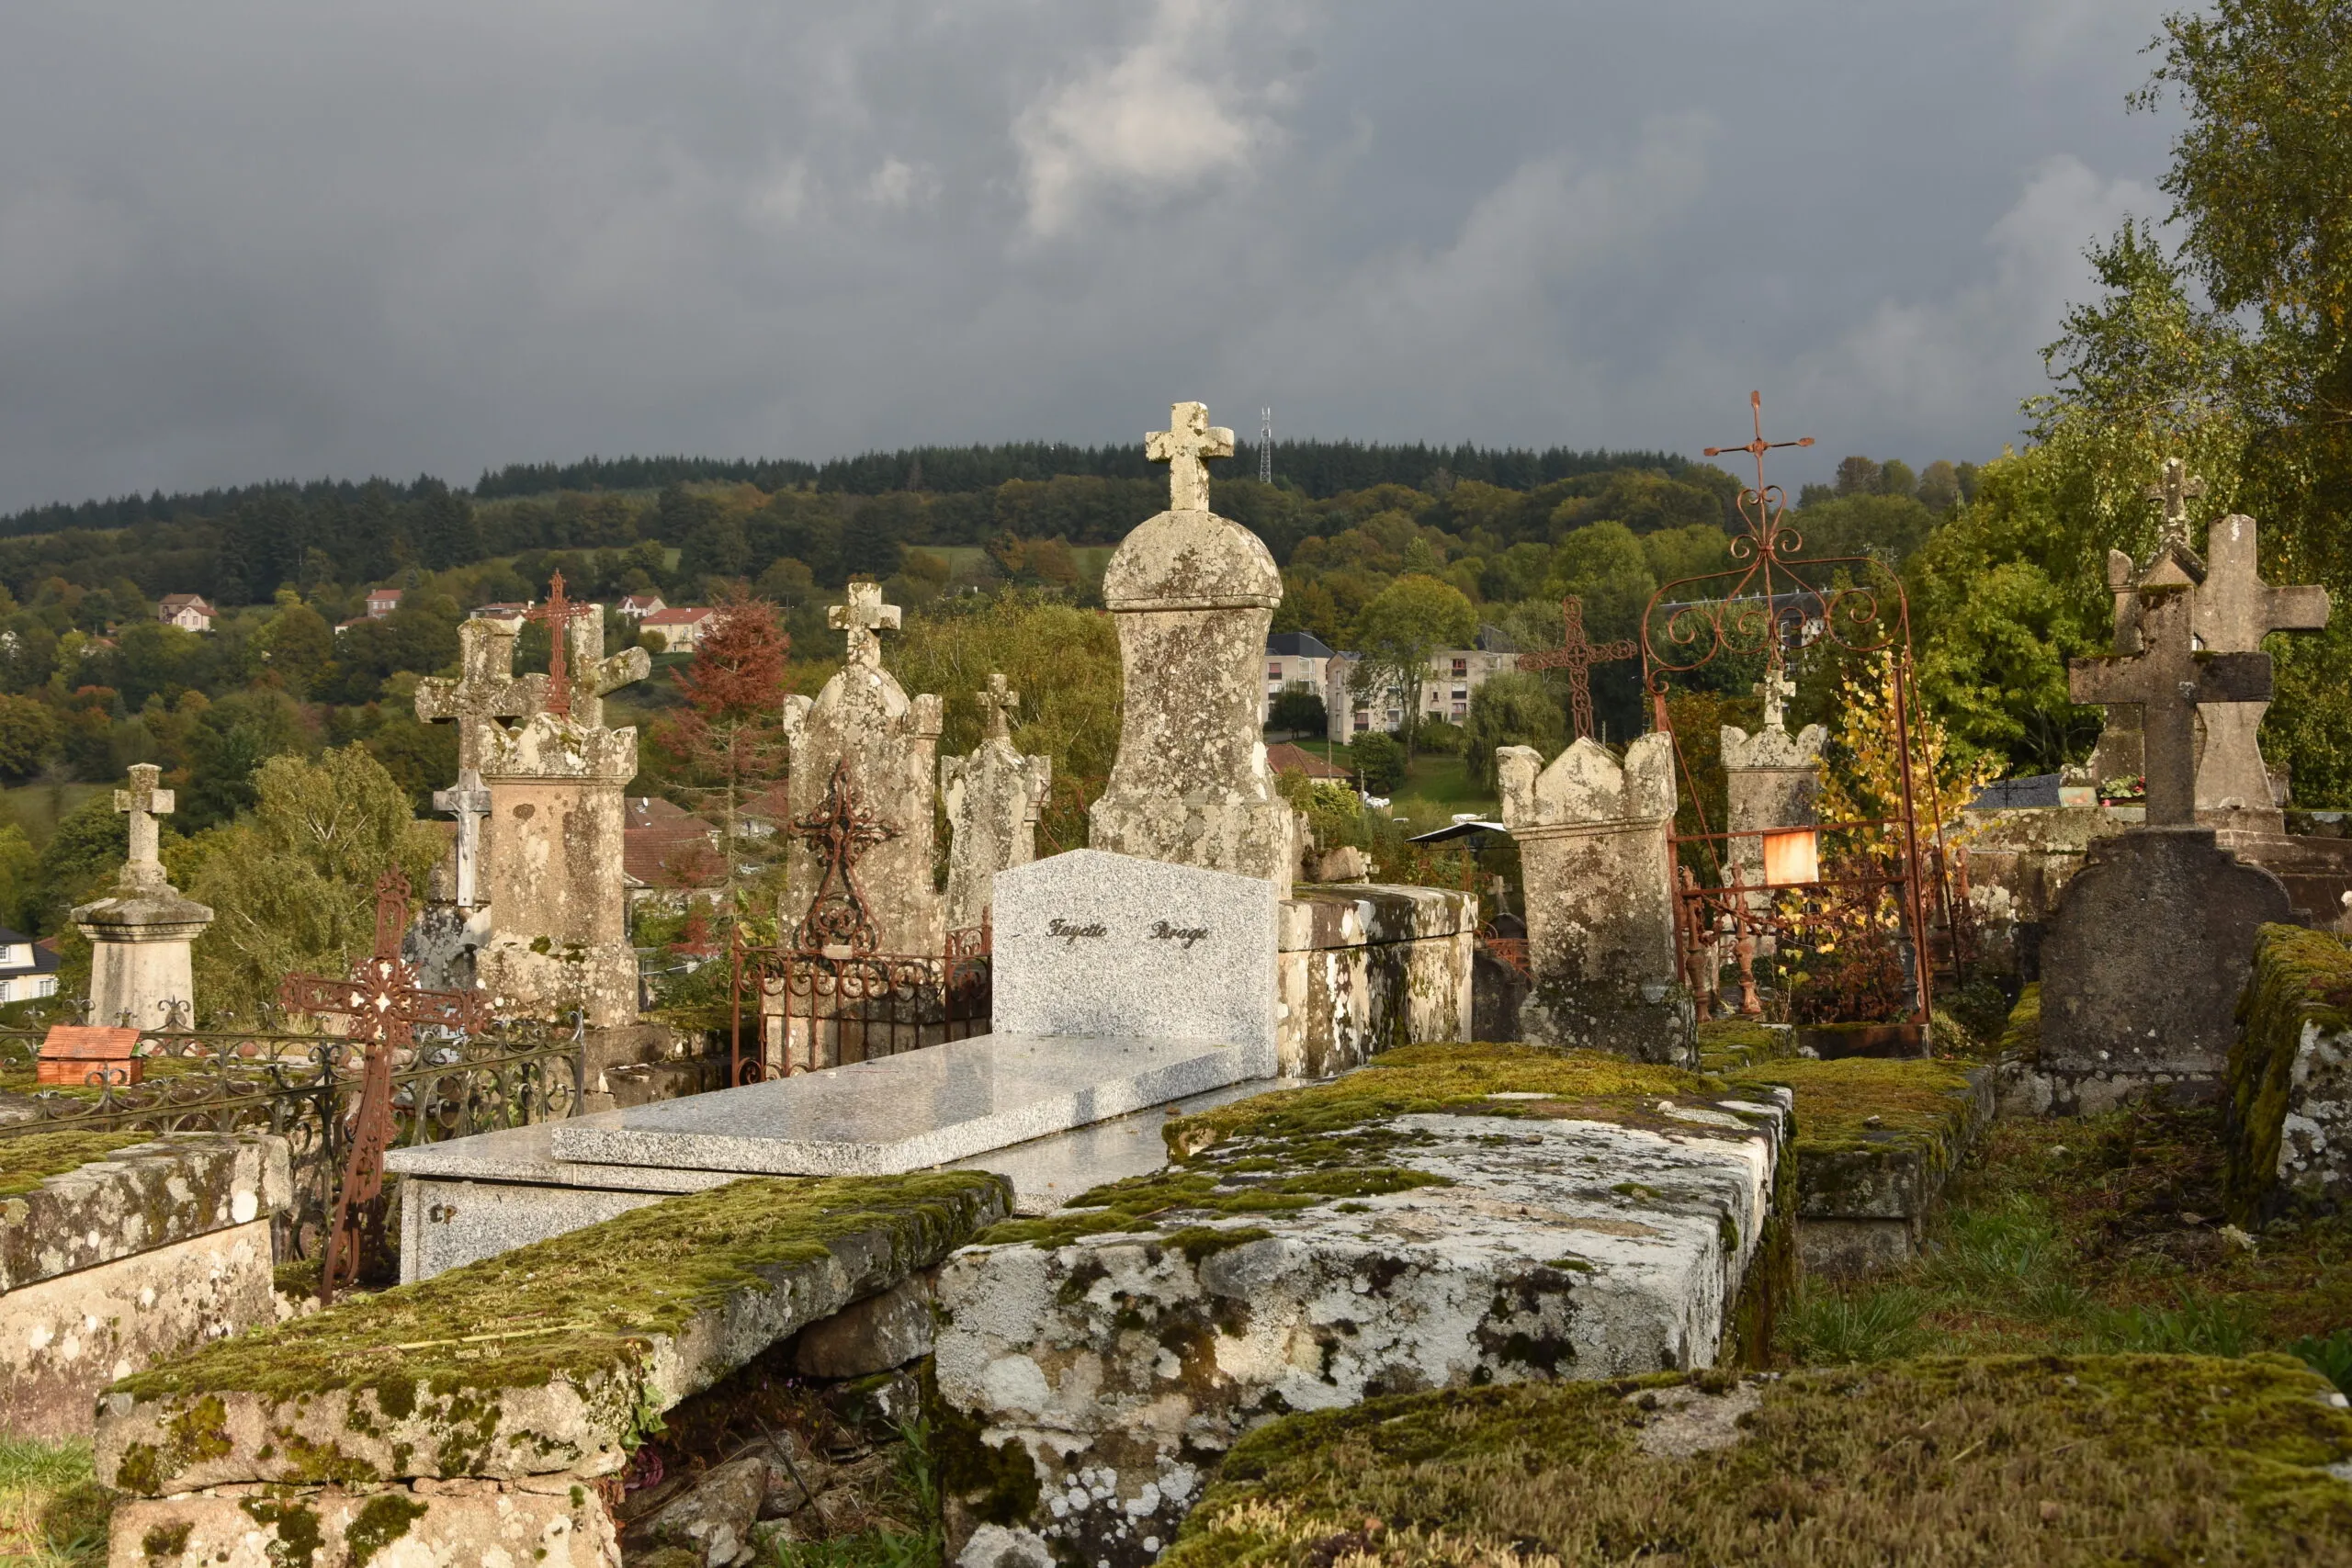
<point x="244" y="240"/>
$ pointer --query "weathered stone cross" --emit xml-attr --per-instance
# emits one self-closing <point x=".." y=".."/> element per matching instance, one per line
<point x="468" y="803"/>
<point x="1577" y="654"/>
<point x="487" y="691"/>
<point x="144" y="803"/>
<point x="999" y="704"/>
<point x="1188" y="439"/>
<point x="1776" y="689"/>
<point x="864" y="616"/>
<point x="2234" y="610"/>
<point x="2175" y="491"/>
<point x="589" y="676"/>
<point x="2167" y="678"/>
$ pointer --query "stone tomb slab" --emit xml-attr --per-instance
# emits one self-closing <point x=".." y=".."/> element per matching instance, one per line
<point x="1093" y="943"/>
<point x="913" y="1110"/>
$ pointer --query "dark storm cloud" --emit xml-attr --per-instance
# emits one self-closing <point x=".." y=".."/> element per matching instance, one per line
<point x="247" y="239"/>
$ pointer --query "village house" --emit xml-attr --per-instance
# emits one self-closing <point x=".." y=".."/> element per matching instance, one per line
<point x="668" y="856"/>
<point x="681" y="629"/>
<point x="637" y="606"/>
<point x="506" y="615"/>
<point x="186" y="611"/>
<point x="27" y="969"/>
<point x="1295" y="659"/>
<point x="1453" y="673"/>
<point x="383" y="602"/>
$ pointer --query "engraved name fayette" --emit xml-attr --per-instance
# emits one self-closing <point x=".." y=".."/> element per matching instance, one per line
<point x="1070" y="932"/>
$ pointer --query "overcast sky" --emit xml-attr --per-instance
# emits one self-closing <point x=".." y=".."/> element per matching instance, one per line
<point x="244" y="240"/>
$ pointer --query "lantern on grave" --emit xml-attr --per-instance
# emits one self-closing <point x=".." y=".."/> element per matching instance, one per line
<point x="1792" y="858"/>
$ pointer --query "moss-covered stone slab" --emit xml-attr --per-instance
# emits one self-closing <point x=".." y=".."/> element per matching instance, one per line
<point x="70" y="1201"/>
<point x="479" y="1526"/>
<point x="2286" y="1111"/>
<point x="2054" y="1461"/>
<point x="1447" y="1217"/>
<point x="552" y="1359"/>
<point x="1876" y="1142"/>
<point x="1729" y="1045"/>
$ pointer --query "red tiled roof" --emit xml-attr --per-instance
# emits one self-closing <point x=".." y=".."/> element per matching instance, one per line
<point x="668" y="849"/>
<point x="686" y="615"/>
<point x="88" y="1042"/>
<point x="1284" y="757"/>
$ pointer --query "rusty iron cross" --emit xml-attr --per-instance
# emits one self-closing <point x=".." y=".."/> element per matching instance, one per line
<point x="384" y="1004"/>
<point x="557" y="614"/>
<point x="841" y="831"/>
<point x="1577" y="654"/>
<point x="1759" y="446"/>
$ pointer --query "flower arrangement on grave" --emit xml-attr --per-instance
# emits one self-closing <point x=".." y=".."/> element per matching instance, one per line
<point x="2133" y="788"/>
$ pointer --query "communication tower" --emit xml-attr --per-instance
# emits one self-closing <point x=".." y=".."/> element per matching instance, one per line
<point x="1266" y="448"/>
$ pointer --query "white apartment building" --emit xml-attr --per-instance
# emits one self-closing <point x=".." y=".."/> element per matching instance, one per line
<point x="1295" y="658"/>
<point x="1453" y="674"/>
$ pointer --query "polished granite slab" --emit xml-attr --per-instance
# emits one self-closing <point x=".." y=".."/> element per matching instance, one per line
<point x="909" y="1111"/>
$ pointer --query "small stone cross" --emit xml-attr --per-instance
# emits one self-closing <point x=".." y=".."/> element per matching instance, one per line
<point x="2175" y="491"/>
<point x="1188" y="439"/>
<point x="864" y="616"/>
<point x="1577" y="654"/>
<point x="588" y="675"/>
<point x="2167" y="678"/>
<point x="1776" y="689"/>
<point x="487" y="692"/>
<point x="999" y="704"/>
<point x="468" y="802"/>
<point x="144" y="803"/>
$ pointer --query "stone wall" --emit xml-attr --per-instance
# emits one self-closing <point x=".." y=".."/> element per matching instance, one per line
<point x="2287" y="1110"/>
<point x="128" y="1258"/>
<point x="1366" y="967"/>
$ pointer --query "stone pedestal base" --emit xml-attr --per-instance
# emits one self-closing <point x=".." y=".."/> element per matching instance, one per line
<point x="1654" y="1022"/>
<point x="539" y="979"/>
<point x="2147" y="953"/>
<point x="140" y="940"/>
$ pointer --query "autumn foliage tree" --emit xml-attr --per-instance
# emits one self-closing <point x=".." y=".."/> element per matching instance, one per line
<point x="728" y="737"/>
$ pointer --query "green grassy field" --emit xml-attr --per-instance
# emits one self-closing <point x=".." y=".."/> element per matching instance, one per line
<point x="37" y="807"/>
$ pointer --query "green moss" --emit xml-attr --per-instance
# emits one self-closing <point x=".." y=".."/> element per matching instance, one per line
<point x="1770" y="1282"/>
<point x="1869" y="1101"/>
<point x="2056" y="1461"/>
<point x="2301" y="978"/>
<point x="26" y="1162"/>
<point x="166" y="1540"/>
<point x="1727" y="1044"/>
<point x="995" y="1483"/>
<point x="383" y="1519"/>
<point x="580" y="1306"/>
<point x="2021" y="1041"/>
<point x="1197" y="1242"/>
<point x="295" y="1535"/>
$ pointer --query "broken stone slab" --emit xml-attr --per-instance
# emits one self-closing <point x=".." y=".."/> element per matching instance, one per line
<point x="474" y="1198"/>
<point x="340" y="1527"/>
<point x="1446" y="1217"/>
<point x="108" y="1196"/>
<point x="877" y="1334"/>
<point x="712" y="1518"/>
<point x="913" y="1110"/>
<point x="1877" y="1141"/>
<point x="552" y="1359"/>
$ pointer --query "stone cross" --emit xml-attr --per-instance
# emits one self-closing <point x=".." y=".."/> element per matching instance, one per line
<point x="2167" y="678"/>
<point x="999" y="704"/>
<point x="1577" y="654"/>
<point x="588" y="676"/>
<point x="1188" y="439"/>
<point x="144" y="803"/>
<point x="2175" y="491"/>
<point x="1776" y="689"/>
<point x="2234" y="610"/>
<point x="487" y="691"/>
<point x="864" y="616"/>
<point x="470" y="803"/>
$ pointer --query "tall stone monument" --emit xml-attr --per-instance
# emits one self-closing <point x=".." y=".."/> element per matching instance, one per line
<point x="1774" y="778"/>
<point x="551" y="860"/>
<point x="141" y="975"/>
<point x="1599" y="870"/>
<point x="1192" y="594"/>
<point x="994" y="797"/>
<point x="486" y="692"/>
<point x="863" y="750"/>
<point x="2233" y="610"/>
<point x="2152" y="940"/>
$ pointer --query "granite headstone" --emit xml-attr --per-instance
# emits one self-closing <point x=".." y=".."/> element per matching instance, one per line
<point x="1093" y="943"/>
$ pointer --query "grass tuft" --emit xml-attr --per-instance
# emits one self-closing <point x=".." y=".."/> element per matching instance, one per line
<point x="53" y="1513"/>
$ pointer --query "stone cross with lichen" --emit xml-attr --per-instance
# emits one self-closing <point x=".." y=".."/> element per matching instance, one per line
<point x="144" y="803"/>
<point x="2167" y="678"/>
<point x="998" y="702"/>
<point x="1776" y="689"/>
<point x="486" y="692"/>
<point x="1188" y="439"/>
<point x="2176" y="490"/>
<point x="861" y="618"/>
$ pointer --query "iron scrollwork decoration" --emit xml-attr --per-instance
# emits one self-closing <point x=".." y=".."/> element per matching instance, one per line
<point x="841" y="830"/>
<point x="1771" y="605"/>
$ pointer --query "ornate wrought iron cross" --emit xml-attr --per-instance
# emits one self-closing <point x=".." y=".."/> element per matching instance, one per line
<point x="839" y="831"/>
<point x="1578" y="655"/>
<point x="1756" y="448"/>
<point x="557" y="614"/>
<point x="384" y="1004"/>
